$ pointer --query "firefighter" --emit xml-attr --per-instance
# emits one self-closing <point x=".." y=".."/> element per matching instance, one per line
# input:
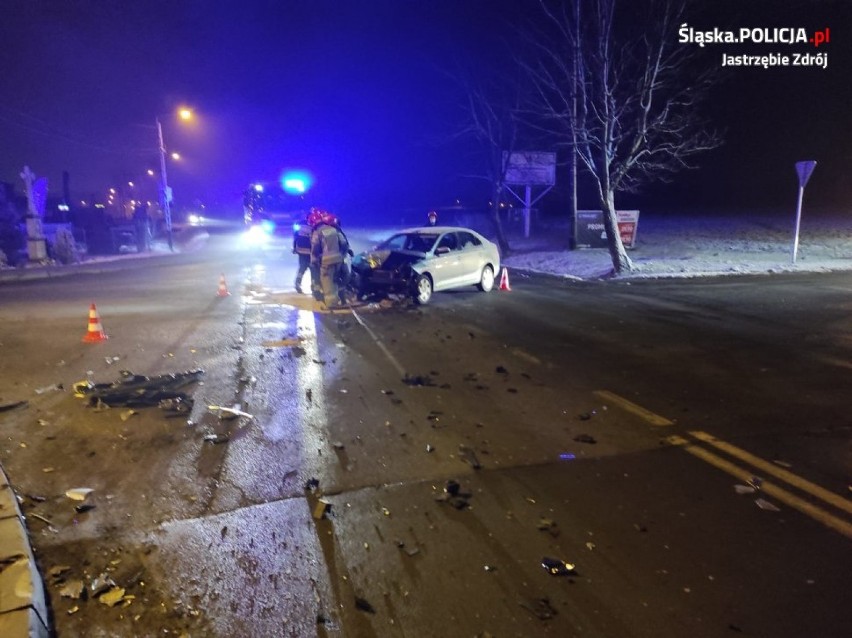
<point x="326" y="255"/>
<point x="432" y="217"/>
<point x="302" y="248"/>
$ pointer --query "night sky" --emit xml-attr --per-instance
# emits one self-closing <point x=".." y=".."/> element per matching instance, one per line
<point x="356" y="93"/>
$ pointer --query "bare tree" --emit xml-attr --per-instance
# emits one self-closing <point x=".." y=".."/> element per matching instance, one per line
<point x="492" y="107"/>
<point x="615" y="85"/>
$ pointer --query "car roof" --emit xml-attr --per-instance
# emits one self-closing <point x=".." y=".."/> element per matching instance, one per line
<point x="431" y="230"/>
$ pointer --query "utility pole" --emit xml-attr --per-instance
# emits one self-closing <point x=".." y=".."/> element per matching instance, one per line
<point x="573" y="241"/>
<point x="167" y="211"/>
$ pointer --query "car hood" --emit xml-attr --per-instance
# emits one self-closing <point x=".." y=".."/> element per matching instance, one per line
<point x="388" y="259"/>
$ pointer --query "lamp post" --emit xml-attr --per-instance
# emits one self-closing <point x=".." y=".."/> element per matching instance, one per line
<point x="167" y="211"/>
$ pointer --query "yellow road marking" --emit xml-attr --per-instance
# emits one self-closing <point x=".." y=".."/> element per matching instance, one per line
<point x="638" y="410"/>
<point x="774" y="491"/>
<point x="525" y="355"/>
<point x="779" y="473"/>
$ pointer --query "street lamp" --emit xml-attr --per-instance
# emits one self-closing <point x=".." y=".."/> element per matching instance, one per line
<point x="185" y="114"/>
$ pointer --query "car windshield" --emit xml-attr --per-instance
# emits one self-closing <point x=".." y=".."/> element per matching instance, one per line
<point x="415" y="242"/>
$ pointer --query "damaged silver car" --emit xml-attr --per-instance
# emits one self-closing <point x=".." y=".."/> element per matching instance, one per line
<point x="419" y="261"/>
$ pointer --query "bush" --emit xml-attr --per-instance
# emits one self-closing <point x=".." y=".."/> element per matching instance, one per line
<point x="65" y="247"/>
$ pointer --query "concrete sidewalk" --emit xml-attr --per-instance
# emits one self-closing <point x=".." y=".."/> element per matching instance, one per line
<point x="23" y="608"/>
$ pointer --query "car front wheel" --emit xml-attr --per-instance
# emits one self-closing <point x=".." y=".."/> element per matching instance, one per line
<point x="422" y="290"/>
<point x="486" y="282"/>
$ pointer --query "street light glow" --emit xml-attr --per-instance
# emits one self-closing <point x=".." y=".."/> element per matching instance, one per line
<point x="185" y="114"/>
<point x="175" y="156"/>
<point x="150" y="172"/>
<point x="130" y="184"/>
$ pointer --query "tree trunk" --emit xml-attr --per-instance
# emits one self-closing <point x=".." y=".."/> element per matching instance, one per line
<point x="620" y="261"/>
<point x="498" y="225"/>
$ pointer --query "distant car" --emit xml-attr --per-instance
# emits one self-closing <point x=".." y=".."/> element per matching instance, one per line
<point x="420" y="261"/>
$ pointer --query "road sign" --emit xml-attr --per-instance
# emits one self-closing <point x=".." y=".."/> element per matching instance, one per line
<point x="804" y="170"/>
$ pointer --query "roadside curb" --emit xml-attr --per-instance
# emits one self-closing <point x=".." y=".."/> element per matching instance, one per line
<point x="23" y="608"/>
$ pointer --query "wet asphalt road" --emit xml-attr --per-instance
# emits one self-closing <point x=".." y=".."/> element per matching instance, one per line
<point x="219" y="539"/>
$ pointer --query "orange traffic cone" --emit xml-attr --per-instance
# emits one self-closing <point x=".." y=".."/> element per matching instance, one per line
<point x="223" y="287"/>
<point x="95" y="333"/>
<point x="504" y="280"/>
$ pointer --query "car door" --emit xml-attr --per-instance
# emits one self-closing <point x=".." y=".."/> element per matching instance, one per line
<point x="471" y="258"/>
<point x="446" y="268"/>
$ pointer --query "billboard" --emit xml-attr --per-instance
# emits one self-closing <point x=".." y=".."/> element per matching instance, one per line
<point x="591" y="232"/>
<point x="530" y="168"/>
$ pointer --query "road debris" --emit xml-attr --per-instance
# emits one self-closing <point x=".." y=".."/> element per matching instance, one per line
<point x="766" y="505"/>
<point x="134" y="390"/>
<point x="452" y="494"/>
<point x="79" y="493"/>
<point x="73" y="589"/>
<point x="112" y="597"/>
<point x="467" y="455"/>
<point x="282" y="343"/>
<point x="558" y="567"/>
<point x="11" y="406"/>
<point x="539" y="607"/>
<point x="549" y="526"/>
<point x="49" y="388"/>
<point x="84" y="507"/>
<point x="363" y="605"/>
<point x="744" y="489"/>
<point x="429" y="448"/>
<point x="418" y="380"/>
<point x="585" y="438"/>
<point x="321" y="509"/>
<point x="127" y="414"/>
<point x="229" y="413"/>
<point x="755" y="482"/>
<point x="217" y="438"/>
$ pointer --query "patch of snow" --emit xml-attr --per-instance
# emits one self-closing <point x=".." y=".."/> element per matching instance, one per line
<point x="699" y="246"/>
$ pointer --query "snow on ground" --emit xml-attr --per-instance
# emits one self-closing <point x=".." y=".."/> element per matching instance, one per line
<point x="699" y="246"/>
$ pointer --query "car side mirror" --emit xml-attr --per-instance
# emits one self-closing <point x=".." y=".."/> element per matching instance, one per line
<point x="442" y="250"/>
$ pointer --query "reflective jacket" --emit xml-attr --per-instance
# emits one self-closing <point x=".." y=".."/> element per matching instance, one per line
<point x="302" y="240"/>
<point x="325" y="246"/>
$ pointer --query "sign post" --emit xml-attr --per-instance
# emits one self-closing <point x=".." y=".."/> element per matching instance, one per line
<point x="803" y="170"/>
<point x="529" y="169"/>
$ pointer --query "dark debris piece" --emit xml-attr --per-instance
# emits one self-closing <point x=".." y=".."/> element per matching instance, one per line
<point x="469" y="456"/>
<point x="558" y="567"/>
<point x="539" y="607"/>
<point x="452" y="487"/>
<point x="501" y="370"/>
<point x="11" y="406"/>
<point x="364" y="605"/>
<point x="311" y="484"/>
<point x="585" y="438"/>
<point x="135" y="390"/>
<point x="418" y="380"/>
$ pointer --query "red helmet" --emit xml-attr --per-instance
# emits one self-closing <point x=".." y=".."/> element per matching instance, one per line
<point x="328" y="218"/>
<point x="315" y="217"/>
